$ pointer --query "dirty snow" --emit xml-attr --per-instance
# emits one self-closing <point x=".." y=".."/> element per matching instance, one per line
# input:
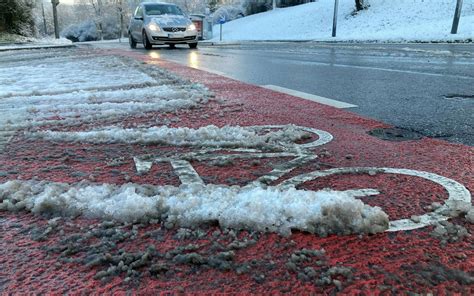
<point x="207" y="136"/>
<point x="80" y="106"/>
<point x="35" y="43"/>
<point x="252" y="207"/>
<point x="385" y="20"/>
<point x="71" y="88"/>
<point x="68" y="75"/>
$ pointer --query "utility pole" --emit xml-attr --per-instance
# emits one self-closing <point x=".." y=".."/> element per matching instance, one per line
<point x="457" y="16"/>
<point x="334" y="20"/>
<point x="120" y="9"/>
<point x="45" y="28"/>
<point x="55" y="3"/>
<point x="99" y="7"/>
<point x="274" y="4"/>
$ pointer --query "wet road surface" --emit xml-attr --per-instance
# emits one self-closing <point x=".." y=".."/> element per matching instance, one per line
<point x="425" y="88"/>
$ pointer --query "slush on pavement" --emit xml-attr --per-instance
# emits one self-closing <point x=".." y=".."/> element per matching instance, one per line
<point x="125" y="173"/>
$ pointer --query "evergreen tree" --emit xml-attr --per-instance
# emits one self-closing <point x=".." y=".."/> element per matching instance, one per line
<point x="16" y="17"/>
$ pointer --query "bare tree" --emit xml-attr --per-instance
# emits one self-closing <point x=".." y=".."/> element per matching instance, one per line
<point x="97" y="5"/>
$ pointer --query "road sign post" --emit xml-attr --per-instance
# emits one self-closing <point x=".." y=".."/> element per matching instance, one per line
<point x="221" y="22"/>
<point x="334" y="20"/>
<point x="457" y="16"/>
<point x="55" y="3"/>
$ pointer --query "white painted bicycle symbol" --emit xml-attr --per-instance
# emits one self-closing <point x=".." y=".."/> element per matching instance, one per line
<point x="458" y="195"/>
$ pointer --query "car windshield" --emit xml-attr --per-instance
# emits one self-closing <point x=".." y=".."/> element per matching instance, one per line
<point x="158" y="9"/>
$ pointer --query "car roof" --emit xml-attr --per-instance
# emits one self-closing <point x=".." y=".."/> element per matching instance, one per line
<point x="145" y="3"/>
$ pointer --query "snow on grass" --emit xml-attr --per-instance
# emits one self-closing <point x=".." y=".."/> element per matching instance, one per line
<point x="207" y="136"/>
<point x="385" y="20"/>
<point x="265" y="209"/>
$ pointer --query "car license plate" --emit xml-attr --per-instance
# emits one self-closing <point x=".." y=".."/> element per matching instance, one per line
<point x="176" y="35"/>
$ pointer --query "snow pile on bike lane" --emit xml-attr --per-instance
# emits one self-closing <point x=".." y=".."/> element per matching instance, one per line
<point x="206" y="136"/>
<point x="74" y="88"/>
<point x="86" y="106"/>
<point x="269" y="209"/>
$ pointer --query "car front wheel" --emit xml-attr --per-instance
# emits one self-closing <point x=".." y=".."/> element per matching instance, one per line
<point x="133" y="43"/>
<point x="146" y="42"/>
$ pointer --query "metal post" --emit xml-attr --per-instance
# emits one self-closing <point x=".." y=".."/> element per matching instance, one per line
<point x="45" y="28"/>
<point x="457" y="16"/>
<point x="55" y="3"/>
<point x="274" y="4"/>
<point x="120" y="9"/>
<point x="334" y="20"/>
<point x="99" y="8"/>
<point x="220" y="32"/>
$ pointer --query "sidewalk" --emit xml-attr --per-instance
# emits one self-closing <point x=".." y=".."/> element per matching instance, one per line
<point x="32" y="45"/>
<point x="409" y="180"/>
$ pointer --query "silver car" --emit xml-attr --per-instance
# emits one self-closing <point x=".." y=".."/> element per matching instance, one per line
<point x="157" y="23"/>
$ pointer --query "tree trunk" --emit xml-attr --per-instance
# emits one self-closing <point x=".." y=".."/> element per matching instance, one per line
<point x="359" y="4"/>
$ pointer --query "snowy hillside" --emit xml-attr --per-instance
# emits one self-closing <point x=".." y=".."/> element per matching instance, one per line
<point x="385" y="20"/>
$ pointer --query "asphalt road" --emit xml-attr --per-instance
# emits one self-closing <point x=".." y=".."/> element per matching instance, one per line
<point x="426" y="88"/>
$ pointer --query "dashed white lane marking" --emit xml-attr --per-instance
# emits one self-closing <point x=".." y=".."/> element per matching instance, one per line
<point x="309" y="97"/>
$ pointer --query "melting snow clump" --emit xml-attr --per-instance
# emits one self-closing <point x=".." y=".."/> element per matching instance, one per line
<point x="270" y="209"/>
<point x="207" y="136"/>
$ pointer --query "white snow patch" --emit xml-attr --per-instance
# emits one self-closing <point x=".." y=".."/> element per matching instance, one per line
<point x="251" y="207"/>
<point x="384" y="20"/>
<point x="33" y="43"/>
<point x="207" y="136"/>
<point x="20" y="112"/>
<point x="40" y="88"/>
<point x="68" y="75"/>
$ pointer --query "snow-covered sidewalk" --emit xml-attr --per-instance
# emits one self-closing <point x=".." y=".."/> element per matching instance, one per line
<point x="33" y="43"/>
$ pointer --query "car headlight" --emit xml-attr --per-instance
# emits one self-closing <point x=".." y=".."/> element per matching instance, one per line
<point x="154" y="27"/>
<point x="192" y="27"/>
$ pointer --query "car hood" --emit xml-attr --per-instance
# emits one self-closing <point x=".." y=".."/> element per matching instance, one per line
<point x="169" y="20"/>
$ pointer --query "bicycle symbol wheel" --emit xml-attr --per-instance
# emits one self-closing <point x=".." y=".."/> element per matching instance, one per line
<point x="459" y="198"/>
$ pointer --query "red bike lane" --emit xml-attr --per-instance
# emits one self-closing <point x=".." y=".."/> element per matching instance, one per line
<point x="40" y="256"/>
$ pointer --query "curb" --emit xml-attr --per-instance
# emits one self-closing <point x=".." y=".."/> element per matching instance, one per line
<point x="242" y="42"/>
<point x="36" y="47"/>
<point x="229" y="43"/>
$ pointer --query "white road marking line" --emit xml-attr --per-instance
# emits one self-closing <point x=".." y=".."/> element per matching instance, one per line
<point x="458" y="195"/>
<point x="185" y="63"/>
<point x="212" y="71"/>
<point x="185" y="171"/>
<point x="382" y="69"/>
<point x="142" y="166"/>
<point x="310" y="97"/>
